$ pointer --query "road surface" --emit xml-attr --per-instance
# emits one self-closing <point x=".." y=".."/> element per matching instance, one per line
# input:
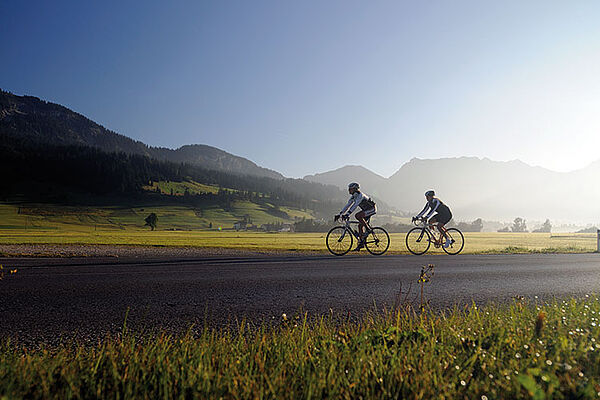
<point x="89" y="297"/>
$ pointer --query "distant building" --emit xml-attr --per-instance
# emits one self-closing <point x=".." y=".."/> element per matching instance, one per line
<point x="240" y="225"/>
<point x="287" y="228"/>
<point x="277" y="227"/>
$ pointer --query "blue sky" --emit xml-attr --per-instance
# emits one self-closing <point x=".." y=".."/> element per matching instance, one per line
<point x="304" y="87"/>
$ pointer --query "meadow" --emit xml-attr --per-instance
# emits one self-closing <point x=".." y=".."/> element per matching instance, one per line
<point x="47" y="217"/>
<point x="523" y="349"/>
<point x="476" y="243"/>
<point x="186" y="227"/>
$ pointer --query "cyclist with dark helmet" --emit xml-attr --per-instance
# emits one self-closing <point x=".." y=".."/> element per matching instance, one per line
<point x="442" y="216"/>
<point x="368" y="209"/>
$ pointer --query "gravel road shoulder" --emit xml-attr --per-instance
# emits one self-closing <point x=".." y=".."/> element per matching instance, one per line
<point x="76" y="250"/>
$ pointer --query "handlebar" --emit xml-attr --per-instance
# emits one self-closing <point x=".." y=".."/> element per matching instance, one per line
<point x="418" y="221"/>
<point x="342" y="217"/>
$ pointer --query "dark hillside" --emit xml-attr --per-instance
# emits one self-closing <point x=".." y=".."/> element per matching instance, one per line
<point x="45" y="122"/>
<point x="34" y="171"/>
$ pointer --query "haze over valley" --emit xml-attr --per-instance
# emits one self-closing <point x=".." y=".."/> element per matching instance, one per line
<point x="473" y="187"/>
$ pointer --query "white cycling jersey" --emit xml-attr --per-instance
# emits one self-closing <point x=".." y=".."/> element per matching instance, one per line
<point x="358" y="199"/>
<point x="434" y="205"/>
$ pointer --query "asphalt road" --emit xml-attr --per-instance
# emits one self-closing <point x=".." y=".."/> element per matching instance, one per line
<point x="89" y="297"/>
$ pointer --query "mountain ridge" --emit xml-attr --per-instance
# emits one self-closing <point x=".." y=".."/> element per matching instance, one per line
<point x="340" y="177"/>
<point x="480" y="187"/>
<point x="473" y="186"/>
<point x="53" y="123"/>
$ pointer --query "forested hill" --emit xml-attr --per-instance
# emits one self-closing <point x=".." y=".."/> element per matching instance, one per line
<point x="45" y="122"/>
<point x="37" y="171"/>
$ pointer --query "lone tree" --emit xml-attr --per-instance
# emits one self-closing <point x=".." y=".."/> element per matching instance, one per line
<point x="519" y="225"/>
<point x="546" y="227"/>
<point x="151" y="221"/>
<point x="475" y="226"/>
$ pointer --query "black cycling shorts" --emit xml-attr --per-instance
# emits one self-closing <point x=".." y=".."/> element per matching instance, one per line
<point x="444" y="215"/>
<point x="370" y="212"/>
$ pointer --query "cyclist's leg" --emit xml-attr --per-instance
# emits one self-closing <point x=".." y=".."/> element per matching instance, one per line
<point x="434" y="221"/>
<point x="367" y="215"/>
<point x="360" y="216"/>
<point x="442" y="229"/>
<point x="443" y="219"/>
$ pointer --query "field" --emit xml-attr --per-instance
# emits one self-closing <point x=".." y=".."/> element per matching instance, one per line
<point x="183" y="226"/>
<point x="476" y="243"/>
<point x="44" y="217"/>
<point x="511" y="351"/>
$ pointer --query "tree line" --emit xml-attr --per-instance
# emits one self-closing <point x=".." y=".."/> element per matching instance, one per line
<point x="520" y="225"/>
<point x="311" y="225"/>
<point x="37" y="170"/>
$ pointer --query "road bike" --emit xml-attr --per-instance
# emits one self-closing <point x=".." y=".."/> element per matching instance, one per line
<point x="420" y="238"/>
<point x="340" y="238"/>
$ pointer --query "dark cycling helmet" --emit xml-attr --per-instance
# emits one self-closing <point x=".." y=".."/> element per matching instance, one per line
<point x="430" y="193"/>
<point x="353" y="185"/>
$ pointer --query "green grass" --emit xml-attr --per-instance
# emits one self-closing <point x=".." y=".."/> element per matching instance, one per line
<point x="31" y="217"/>
<point x="476" y="243"/>
<point x="185" y="226"/>
<point x="519" y="350"/>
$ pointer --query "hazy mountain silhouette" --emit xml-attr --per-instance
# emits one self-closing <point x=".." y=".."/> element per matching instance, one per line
<point x="473" y="187"/>
<point x="58" y="125"/>
<point x="370" y="182"/>
<point x="479" y="187"/>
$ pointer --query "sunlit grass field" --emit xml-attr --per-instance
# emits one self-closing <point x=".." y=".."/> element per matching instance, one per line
<point x="47" y="217"/>
<point x="180" y="226"/>
<point x="518" y="350"/>
<point x="295" y="242"/>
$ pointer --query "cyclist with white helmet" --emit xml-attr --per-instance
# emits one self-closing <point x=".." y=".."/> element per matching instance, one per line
<point x="368" y="209"/>
<point x="442" y="217"/>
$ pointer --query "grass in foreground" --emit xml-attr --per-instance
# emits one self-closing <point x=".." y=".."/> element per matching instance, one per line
<point x="517" y="350"/>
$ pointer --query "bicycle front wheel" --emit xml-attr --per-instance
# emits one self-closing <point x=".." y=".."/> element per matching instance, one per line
<point x="418" y="241"/>
<point x="339" y="241"/>
<point x="457" y="241"/>
<point x="378" y="241"/>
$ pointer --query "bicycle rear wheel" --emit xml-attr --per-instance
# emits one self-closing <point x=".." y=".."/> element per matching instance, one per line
<point x="457" y="241"/>
<point x="378" y="241"/>
<point x="418" y="241"/>
<point x="339" y="241"/>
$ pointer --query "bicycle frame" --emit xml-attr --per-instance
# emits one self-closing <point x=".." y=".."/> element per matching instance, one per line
<point x="430" y="228"/>
<point x="453" y="245"/>
<point x="347" y="224"/>
<point x="375" y="239"/>
<point x="348" y="228"/>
